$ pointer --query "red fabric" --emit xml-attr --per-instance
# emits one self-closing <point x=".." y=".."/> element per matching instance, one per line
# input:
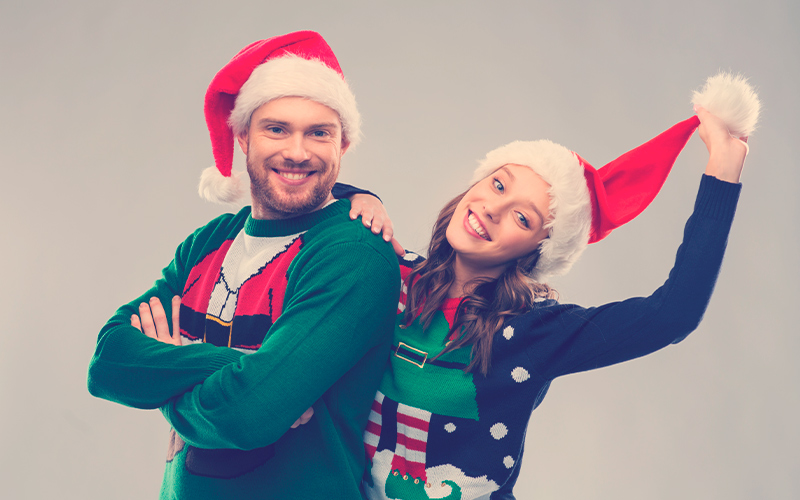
<point x="623" y="188"/>
<point x="222" y="92"/>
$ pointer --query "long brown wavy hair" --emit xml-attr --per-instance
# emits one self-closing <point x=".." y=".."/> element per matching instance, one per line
<point x="488" y="302"/>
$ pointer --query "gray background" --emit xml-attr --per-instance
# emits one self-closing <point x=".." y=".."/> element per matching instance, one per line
<point x="102" y="140"/>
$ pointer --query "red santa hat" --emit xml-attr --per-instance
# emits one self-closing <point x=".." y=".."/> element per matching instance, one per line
<point x="586" y="204"/>
<point x="299" y="64"/>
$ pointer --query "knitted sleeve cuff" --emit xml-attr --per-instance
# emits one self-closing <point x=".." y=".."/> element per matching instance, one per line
<point x="341" y="191"/>
<point x="717" y="199"/>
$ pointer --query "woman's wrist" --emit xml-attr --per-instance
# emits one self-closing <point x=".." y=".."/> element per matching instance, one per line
<point x="726" y="161"/>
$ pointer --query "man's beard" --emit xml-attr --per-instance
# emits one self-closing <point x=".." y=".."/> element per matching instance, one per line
<point x="284" y="205"/>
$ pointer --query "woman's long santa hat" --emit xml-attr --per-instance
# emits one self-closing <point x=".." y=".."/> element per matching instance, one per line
<point x="586" y="204"/>
<point x="299" y="64"/>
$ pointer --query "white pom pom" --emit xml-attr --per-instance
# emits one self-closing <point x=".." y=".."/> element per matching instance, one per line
<point x="733" y="100"/>
<point x="217" y="188"/>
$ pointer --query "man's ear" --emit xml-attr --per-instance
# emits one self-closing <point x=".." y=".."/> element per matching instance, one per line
<point x="345" y="145"/>
<point x="243" y="143"/>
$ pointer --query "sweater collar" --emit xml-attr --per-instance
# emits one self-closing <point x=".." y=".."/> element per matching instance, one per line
<point x="284" y="227"/>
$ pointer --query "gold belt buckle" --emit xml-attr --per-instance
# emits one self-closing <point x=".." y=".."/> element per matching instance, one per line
<point x="413" y="362"/>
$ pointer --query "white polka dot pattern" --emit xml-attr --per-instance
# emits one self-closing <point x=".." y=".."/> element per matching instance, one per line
<point x="508" y="332"/>
<point x="450" y="427"/>
<point x="499" y="431"/>
<point x="520" y="374"/>
<point x="508" y="461"/>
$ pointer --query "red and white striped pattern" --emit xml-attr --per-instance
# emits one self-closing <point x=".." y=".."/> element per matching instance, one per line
<point x="373" y="433"/>
<point x="412" y="437"/>
<point x="412" y="441"/>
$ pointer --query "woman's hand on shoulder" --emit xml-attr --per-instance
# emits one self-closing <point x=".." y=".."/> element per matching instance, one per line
<point x="374" y="216"/>
<point x="726" y="154"/>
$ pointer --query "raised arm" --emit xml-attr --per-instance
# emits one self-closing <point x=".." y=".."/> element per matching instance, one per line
<point x="568" y="338"/>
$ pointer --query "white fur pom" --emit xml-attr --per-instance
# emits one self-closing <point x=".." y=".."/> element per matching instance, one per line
<point x="217" y="188"/>
<point x="733" y="100"/>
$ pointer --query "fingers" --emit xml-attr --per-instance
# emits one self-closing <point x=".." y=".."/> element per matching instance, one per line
<point x="146" y="317"/>
<point x="376" y="223"/>
<point x="369" y="219"/>
<point x="304" y="418"/>
<point x="743" y="140"/>
<point x="388" y="230"/>
<point x="373" y="215"/>
<point x="152" y="321"/>
<point x="135" y="322"/>
<point x="159" y="319"/>
<point x="726" y="153"/>
<point x="398" y="248"/>
<point x="176" y="320"/>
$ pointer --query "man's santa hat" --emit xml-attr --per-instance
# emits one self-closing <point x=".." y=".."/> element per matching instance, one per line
<point x="586" y="204"/>
<point x="299" y="64"/>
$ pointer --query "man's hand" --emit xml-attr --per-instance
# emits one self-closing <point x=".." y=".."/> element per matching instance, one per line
<point x="374" y="216"/>
<point x="152" y="321"/>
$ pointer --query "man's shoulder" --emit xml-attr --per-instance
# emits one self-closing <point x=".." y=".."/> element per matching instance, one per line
<point x="209" y="237"/>
<point x="340" y="230"/>
<point x="340" y="237"/>
<point x="225" y="223"/>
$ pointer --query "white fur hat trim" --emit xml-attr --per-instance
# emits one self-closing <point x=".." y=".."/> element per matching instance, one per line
<point x="294" y="76"/>
<point x="217" y="188"/>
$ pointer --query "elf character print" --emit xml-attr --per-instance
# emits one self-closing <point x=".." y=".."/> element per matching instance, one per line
<point x="231" y="298"/>
<point x="436" y="432"/>
<point x="404" y="441"/>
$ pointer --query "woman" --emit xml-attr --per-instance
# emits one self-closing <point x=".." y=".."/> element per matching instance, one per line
<point x="479" y="336"/>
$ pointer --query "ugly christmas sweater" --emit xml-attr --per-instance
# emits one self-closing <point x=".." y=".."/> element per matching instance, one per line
<point x="437" y="432"/>
<point x="276" y="316"/>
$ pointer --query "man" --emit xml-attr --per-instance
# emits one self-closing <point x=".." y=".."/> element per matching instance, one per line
<point x="284" y="306"/>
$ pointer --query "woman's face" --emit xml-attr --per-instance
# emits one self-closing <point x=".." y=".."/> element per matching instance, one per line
<point x="499" y="220"/>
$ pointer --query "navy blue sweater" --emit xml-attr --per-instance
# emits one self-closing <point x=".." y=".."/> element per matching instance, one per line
<point x="437" y="432"/>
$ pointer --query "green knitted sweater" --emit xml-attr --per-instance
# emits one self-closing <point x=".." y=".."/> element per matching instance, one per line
<point x="276" y="316"/>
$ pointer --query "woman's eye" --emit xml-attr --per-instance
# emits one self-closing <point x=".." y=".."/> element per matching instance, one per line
<point x="522" y="219"/>
<point x="498" y="185"/>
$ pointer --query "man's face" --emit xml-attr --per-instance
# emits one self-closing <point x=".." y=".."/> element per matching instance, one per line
<point x="293" y="148"/>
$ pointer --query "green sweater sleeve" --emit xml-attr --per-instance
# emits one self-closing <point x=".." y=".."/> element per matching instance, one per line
<point x="340" y="303"/>
<point x="132" y="369"/>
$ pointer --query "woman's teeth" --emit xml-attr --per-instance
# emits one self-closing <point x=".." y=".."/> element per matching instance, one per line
<point x="473" y="222"/>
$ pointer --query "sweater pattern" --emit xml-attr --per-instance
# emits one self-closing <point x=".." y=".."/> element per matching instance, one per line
<point x="255" y="269"/>
<point x="437" y="432"/>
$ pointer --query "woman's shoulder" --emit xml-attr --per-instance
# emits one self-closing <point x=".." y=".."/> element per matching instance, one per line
<point x="407" y="262"/>
<point x="544" y="310"/>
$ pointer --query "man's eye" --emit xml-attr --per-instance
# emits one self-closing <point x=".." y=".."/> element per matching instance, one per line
<point x="275" y="130"/>
<point x="498" y="185"/>
<point x="522" y="219"/>
<point x="320" y="133"/>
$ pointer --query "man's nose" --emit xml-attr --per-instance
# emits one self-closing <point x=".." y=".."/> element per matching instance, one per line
<point x="295" y="149"/>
